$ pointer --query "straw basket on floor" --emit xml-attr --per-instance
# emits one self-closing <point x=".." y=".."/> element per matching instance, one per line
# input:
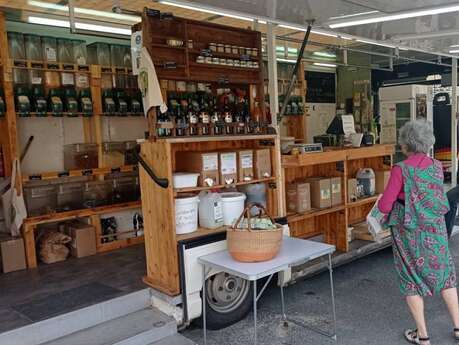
<point x="249" y="245"/>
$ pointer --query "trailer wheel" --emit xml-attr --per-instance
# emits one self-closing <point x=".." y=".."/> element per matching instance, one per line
<point x="228" y="300"/>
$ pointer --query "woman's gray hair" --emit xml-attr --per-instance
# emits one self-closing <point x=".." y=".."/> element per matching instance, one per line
<point x="417" y="136"/>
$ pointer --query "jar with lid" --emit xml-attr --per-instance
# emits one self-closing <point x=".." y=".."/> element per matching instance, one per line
<point x="190" y="44"/>
<point x="220" y="48"/>
<point x="200" y="59"/>
<point x="254" y="51"/>
<point x="33" y="48"/>
<point x="65" y="50"/>
<point x="222" y="61"/>
<point x="213" y="47"/>
<point x="49" y="48"/>
<point x="235" y="50"/>
<point x="228" y="48"/>
<point x="230" y="62"/>
<point x="248" y="51"/>
<point x="80" y="53"/>
<point x="16" y="45"/>
<point x="208" y="59"/>
<point x="237" y="63"/>
<point x="242" y="50"/>
<point x="215" y="60"/>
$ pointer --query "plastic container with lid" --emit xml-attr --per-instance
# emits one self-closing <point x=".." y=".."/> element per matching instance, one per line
<point x="80" y="53"/>
<point x="16" y="45"/>
<point x="233" y="206"/>
<point x="186" y="213"/>
<point x="40" y="198"/>
<point x="185" y="180"/>
<point x="49" y="48"/>
<point x="65" y="50"/>
<point x="81" y="156"/>
<point x="70" y="196"/>
<point x="367" y="179"/>
<point x="99" y="54"/>
<point x="210" y="210"/>
<point x="97" y="193"/>
<point x="33" y="48"/>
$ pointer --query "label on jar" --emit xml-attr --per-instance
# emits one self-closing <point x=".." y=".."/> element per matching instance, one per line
<point x="67" y="79"/>
<point x="228" y="163"/>
<point x="336" y="188"/>
<point x="205" y="118"/>
<point x="50" y="54"/>
<point x="209" y="162"/>
<point x="246" y="161"/>
<point x="23" y="99"/>
<point x="218" y="211"/>
<point x="56" y="100"/>
<point x="82" y="80"/>
<point x="36" y="80"/>
<point x="81" y="60"/>
<point x="193" y="119"/>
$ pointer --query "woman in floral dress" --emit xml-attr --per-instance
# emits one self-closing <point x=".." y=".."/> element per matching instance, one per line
<point x="415" y="204"/>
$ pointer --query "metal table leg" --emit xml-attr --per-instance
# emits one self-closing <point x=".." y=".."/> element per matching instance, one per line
<point x="255" y="297"/>
<point x="330" y="268"/>
<point x="284" y="316"/>
<point x="204" y="320"/>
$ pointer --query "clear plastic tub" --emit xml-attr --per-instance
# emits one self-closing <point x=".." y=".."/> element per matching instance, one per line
<point x="16" y="45"/>
<point x="49" y="48"/>
<point x="126" y="189"/>
<point x="97" y="193"/>
<point x="130" y="158"/>
<point x="80" y="53"/>
<point x="65" y="50"/>
<point x="70" y="196"/>
<point x="33" y="48"/>
<point x="114" y="154"/>
<point x="81" y="156"/>
<point x="40" y="199"/>
<point x="99" y="54"/>
<point x="116" y="55"/>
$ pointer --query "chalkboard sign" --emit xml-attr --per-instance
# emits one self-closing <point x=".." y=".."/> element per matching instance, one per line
<point x="321" y="87"/>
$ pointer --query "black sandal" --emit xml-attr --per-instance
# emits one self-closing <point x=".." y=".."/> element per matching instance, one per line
<point x="411" y="335"/>
<point x="455" y="331"/>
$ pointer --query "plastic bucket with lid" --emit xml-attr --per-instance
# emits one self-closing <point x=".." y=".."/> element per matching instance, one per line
<point x="233" y="206"/>
<point x="186" y="213"/>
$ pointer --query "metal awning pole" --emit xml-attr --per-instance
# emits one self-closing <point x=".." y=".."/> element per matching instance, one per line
<point x="294" y="73"/>
<point x="454" y="123"/>
<point x="272" y="72"/>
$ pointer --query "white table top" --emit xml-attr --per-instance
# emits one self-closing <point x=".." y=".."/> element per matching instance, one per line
<point x="293" y="252"/>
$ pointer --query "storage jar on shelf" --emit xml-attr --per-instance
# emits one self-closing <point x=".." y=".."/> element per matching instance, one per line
<point x="97" y="193"/>
<point x="70" y="196"/>
<point x="80" y="53"/>
<point x="40" y="198"/>
<point x="81" y="156"/>
<point x="49" y="48"/>
<point x="16" y="45"/>
<point x="33" y="48"/>
<point x="65" y="50"/>
<point x="126" y="188"/>
<point x="114" y="154"/>
<point x="99" y="54"/>
<point x="130" y="158"/>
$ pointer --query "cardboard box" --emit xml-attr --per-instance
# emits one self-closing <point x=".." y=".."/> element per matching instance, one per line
<point x="245" y="164"/>
<point x="336" y="191"/>
<point x="299" y="197"/>
<point x="83" y="239"/>
<point x="203" y="163"/>
<point x="352" y="190"/>
<point x="13" y="255"/>
<point x="382" y="178"/>
<point x="262" y="158"/>
<point x="320" y="192"/>
<point x="228" y="167"/>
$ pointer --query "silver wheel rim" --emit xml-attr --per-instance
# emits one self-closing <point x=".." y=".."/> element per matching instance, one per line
<point x="225" y="292"/>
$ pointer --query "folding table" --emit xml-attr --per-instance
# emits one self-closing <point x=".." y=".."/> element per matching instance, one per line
<point x="292" y="253"/>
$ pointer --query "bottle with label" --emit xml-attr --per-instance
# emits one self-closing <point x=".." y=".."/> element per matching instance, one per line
<point x="204" y="118"/>
<point x="22" y="102"/>
<point x="39" y="104"/>
<point x="180" y="121"/>
<point x="55" y="104"/>
<point x="108" y="103"/>
<point x="193" y="121"/>
<point x="216" y="122"/>
<point x="86" y="102"/>
<point x="70" y="101"/>
<point x="121" y="103"/>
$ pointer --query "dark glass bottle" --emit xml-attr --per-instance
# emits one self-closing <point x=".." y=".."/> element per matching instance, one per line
<point x="56" y="106"/>
<point x="39" y="104"/>
<point x="85" y="102"/>
<point x="108" y="104"/>
<point x="22" y="101"/>
<point x="70" y="101"/>
<point x="180" y="122"/>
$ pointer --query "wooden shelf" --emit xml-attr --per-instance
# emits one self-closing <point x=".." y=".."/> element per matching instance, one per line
<point x="160" y="45"/>
<point x="225" y="55"/>
<point x="197" y="139"/>
<point x="231" y="68"/>
<point x="50" y="114"/>
<point x="200" y="233"/>
<point x="198" y="189"/>
<point x="295" y="217"/>
<point x="77" y="173"/>
<point x="364" y="201"/>
<point x="60" y="216"/>
<point x="313" y="158"/>
<point x="370" y="151"/>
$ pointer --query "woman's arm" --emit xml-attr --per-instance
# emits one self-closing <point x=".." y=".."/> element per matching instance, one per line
<point x="393" y="189"/>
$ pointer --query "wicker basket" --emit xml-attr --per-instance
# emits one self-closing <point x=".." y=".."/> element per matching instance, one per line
<point x="247" y="245"/>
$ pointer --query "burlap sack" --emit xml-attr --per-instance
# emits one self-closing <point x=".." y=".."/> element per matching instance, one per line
<point x="53" y="247"/>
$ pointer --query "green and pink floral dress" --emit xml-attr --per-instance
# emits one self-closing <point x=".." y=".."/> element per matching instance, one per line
<point x="420" y="243"/>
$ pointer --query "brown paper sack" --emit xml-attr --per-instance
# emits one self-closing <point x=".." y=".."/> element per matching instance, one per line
<point x="53" y="247"/>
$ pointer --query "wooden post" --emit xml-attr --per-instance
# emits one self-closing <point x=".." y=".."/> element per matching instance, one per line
<point x="96" y="94"/>
<point x="29" y="244"/>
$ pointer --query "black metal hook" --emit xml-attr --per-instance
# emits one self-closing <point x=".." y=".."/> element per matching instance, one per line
<point x="162" y="182"/>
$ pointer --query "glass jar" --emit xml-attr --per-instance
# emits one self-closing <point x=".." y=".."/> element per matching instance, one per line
<point x="127" y="58"/>
<point x="235" y="50"/>
<point x="80" y="53"/>
<point x="81" y="156"/>
<point x="65" y="50"/>
<point x="49" y="48"/>
<point x="33" y="48"/>
<point x="254" y="51"/>
<point x="215" y="60"/>
<point x="16" y="45"/>
<point x="213" y="47"/>
<point x="228" y="49"/>
<point x="220" y="48"/>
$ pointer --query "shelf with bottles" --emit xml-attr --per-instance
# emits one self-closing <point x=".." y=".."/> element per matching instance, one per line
<point x="48" y="66"/>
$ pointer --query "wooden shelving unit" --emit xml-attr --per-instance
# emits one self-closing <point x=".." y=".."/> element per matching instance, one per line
<point x="158" y="203"/>
<point x="333" y="222"/>
<point x="198" y="189"/>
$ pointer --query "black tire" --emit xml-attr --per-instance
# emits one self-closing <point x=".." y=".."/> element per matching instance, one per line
<point x="218" y="316"/>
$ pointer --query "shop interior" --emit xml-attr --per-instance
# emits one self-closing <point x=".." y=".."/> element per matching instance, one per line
<point x="104" y="180"/>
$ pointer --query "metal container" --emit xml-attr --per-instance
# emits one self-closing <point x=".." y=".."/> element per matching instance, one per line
<point x="81" y="156"/>
<point x="80" y="53"/>
<point x="49" y="49"/>
<point x="16" y="45"/>
<point x="33" y="48"/>
<point x="70" y="196"/>
<point x="99" y="54"/>
<point x="97" y="193"/>
<point x="40" y="198"/>
<point x="65" y="50"/>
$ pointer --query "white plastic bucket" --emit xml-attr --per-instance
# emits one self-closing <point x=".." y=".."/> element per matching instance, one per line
<point x="186" y="214"/>
<point x="233" y="206"/>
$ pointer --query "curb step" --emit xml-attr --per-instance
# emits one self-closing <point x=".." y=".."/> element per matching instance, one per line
<point x="139" y="328"/>
<point x="176" y="339"/>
